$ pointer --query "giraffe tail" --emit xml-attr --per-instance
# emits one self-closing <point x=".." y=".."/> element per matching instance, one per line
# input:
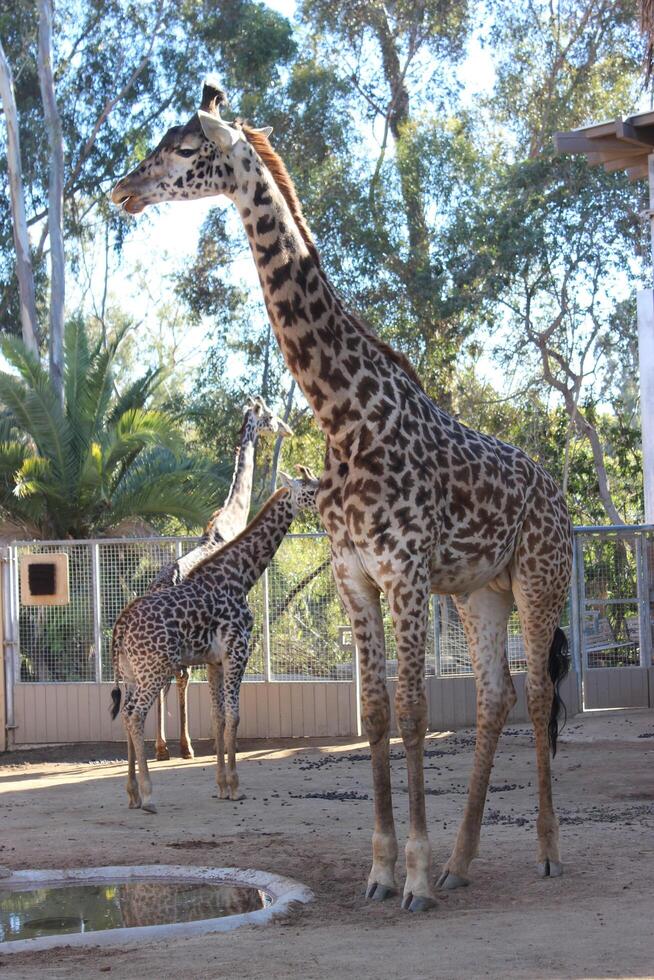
<point x="115" y="691"/>
<point x="559" y="664"/>
<point x="115" y="701"/>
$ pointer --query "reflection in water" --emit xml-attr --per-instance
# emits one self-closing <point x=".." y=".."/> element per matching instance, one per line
<point x="86" y="908"/>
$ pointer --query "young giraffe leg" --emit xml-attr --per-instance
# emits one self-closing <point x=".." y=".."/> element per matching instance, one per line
<point x="161" y="746"/>
<point x="484" y="615"/>
<point x="185" y="747"/>
<point x="134" y="713"/>
<point x="539" y="620"/>
<point x="408" y="601"/>
<point x="361" y="600"/>
<point x="217" y="695"/>
<point x="133" y="794"/>
<point x="234" y="669"/>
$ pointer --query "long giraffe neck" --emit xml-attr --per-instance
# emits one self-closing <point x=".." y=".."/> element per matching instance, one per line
<point x="339" y="367"/>
<point x="233" y="515"/>
<point x="243" y="561"/>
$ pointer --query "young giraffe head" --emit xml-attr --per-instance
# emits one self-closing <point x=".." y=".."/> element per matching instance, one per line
<point x="303" y="488"/>
<point x="204" y="157"/>
<point x="258" y="418"/>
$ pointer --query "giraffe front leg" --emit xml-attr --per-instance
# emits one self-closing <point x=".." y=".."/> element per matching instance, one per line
<point x="161" y="747"/>
<point x="237" y="658"/>
<point x="361" y="601"/>
<point x="484" y="615"/>
<point x="217" y="695"/>
<point x="185" y="747"/>
<point x="408" y="599"/>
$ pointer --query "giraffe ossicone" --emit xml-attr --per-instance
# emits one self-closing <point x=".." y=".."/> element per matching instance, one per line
<point x="413" y="501"/>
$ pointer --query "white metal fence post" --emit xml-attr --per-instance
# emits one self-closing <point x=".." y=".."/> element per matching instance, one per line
<point x="436" y="617"/>
<point x="579" y="611"/>
<point x="96" y="603"/>
<point x="644" y="616"/>
<point x="265" y="628"/>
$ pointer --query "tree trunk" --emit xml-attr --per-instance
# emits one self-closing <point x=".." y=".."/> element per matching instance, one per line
<point x="24" y="270"/>
<point x="55" y="198"/>
<point x="278" y="441"/>
<point x="418" y="275"/>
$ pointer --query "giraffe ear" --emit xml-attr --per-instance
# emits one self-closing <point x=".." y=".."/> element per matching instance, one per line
<point x="306" y="474"/>
<point x="264" y="130"/>
<point x="285" y="480"/>
<point x="217" y="131"/>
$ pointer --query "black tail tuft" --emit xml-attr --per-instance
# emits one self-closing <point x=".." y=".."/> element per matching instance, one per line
<point x="115" y="701"/>
<point x="559" y="664"/>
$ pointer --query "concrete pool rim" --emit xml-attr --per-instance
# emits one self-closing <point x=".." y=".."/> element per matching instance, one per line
<point x="281" y="892"/>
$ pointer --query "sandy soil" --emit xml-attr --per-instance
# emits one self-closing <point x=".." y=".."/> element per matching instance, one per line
<point x="308" y="815"/>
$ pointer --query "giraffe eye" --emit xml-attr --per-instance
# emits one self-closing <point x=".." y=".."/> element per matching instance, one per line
<point x="186" y="151"/>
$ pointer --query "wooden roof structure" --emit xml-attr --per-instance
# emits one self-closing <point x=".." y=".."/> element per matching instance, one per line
<point x="623" y="144"/>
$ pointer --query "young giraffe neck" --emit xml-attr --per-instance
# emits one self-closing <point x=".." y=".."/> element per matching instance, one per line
<point x="340" y="371"/>
<point x="243" y="561"/>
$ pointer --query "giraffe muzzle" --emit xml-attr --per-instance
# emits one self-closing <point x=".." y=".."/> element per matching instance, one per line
<point x="125" y="200"/>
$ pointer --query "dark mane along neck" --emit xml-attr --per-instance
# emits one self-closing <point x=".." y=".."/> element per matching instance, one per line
<point x="280" y="175"/>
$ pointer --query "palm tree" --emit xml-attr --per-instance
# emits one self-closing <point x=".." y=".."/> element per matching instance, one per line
<point x="78" y="469"/>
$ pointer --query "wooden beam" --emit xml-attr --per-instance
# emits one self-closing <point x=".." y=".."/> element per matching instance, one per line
<point x="597" y="129"/>
<point x="625" y="162"/>
<point x="638" y="137"/>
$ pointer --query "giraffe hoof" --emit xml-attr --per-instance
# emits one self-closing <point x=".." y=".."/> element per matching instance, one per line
<point x="378" y="893"/>
<point x="187" y="753"/>
<point x="550" y="869"/>
<point x="149" y="807"/>
<point x="162" y="755"/>
<point x="135" y="804"/>
<point x="448" y="881"/>
<point x="418" y="903"/>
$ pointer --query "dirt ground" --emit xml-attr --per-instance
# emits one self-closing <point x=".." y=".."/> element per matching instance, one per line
<point x="308" y="814"/>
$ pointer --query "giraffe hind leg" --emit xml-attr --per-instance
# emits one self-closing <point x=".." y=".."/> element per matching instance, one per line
<point x="135" y="712"/>
<point x="133" y="794"/>
<point x="484" y="614"/>
<point x="546" y="655"/>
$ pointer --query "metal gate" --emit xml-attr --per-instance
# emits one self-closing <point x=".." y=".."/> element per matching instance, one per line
<point x="613" y="607"/>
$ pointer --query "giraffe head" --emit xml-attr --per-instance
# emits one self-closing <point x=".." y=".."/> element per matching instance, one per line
<point x="258" y="418"/>
<point x="204" y="157"/>
<point x="303" y="488"/>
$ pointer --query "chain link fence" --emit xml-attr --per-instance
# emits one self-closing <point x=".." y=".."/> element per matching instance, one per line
<point x="300" y="623"/>
<point x="613" y="592"/>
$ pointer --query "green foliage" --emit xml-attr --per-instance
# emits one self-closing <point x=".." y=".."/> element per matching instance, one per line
<point x="76" y="470"/>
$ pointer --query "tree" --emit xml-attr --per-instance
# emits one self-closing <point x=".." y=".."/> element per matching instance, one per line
<point x="561" y="240"/>
<point x="78" y="468"/>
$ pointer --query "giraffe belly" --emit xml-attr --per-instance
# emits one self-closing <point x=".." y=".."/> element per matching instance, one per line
<point x="445" y="582"/>
<point x="209" y="652"/>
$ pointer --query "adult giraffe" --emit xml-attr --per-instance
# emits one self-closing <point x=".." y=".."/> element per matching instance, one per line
<point x="413" y="501"/>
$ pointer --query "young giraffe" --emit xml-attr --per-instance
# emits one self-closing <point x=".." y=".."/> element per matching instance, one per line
<point x="224" y="525"/>
<point x="205" y="618"/>
<point x="413" y="501"/>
